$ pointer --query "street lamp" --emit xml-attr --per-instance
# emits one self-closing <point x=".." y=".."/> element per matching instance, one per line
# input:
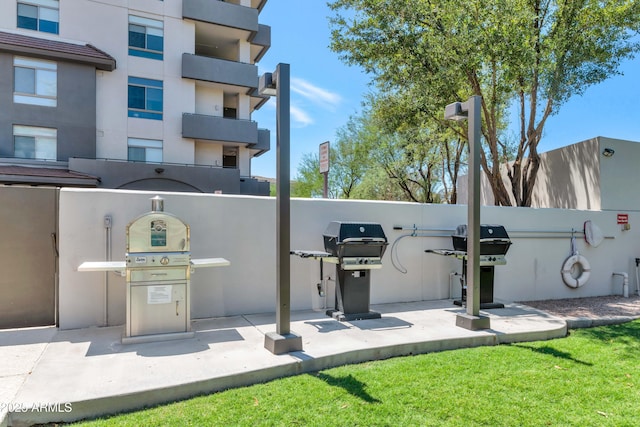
<point x="470" y="111"/>
<point x="277" y="84"/>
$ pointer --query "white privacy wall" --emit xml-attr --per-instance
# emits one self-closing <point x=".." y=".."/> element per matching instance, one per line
<point x="242" y="230"/>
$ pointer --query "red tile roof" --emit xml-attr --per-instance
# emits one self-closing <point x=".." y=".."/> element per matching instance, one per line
<point x="19" y="43"/>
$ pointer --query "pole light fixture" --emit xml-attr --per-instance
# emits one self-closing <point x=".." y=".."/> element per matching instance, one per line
<point x="471" y="111"/>
<point x="277" y="84"/>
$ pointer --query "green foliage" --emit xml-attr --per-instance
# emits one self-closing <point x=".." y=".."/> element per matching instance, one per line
<point x="372" y="160"/>
<point x="309" y="181"/>
<point x="534" y="54"/>
<point x="587" y="379"/>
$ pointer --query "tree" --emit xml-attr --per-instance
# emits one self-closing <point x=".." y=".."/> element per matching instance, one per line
<point x="351" y="155"/>
<point x="370" y="162"/>
<point x="349" y="159"/>
<point x="309" y="181"/>
<point x="424" y="157"/>
<point x="536" y="54"/>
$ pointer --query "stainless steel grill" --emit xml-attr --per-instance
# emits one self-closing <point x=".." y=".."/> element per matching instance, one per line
<point x="158" y="268"/>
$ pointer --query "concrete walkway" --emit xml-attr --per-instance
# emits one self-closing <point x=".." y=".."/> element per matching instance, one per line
<point x="47" y="375"/>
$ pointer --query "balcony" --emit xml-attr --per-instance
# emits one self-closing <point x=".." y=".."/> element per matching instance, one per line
<point x="221" y="13"/>
<point x="200" y="126"/>
<point x="264" y="142"/>
<point x="260" y="42"/>
<point x="219" y="71"/>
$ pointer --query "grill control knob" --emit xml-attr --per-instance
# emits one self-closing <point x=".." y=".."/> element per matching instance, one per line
<point x="164" y="260"/>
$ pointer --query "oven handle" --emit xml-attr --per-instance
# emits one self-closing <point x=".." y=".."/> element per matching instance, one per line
<point x="364" y="240"/>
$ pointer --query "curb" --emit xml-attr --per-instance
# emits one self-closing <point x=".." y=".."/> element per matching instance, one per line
<point x="586" y="322"/>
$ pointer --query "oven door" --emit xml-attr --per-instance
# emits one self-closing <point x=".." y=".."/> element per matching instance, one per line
<point x="158" y="307"/>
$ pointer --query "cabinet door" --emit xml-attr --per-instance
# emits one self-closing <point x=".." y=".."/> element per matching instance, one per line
<point x="158" y="309"/>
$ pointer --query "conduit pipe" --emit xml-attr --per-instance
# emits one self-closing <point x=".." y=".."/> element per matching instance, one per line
<point x="625" y="283"/>
<point x="637" y="277"/>
<point x="107" y="227"/>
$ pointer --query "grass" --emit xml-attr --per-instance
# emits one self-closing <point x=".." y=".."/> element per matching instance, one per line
<point x="591" y="378"/>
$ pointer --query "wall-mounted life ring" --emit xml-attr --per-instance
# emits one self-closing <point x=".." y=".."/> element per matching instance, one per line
<point x="578" y="266"/>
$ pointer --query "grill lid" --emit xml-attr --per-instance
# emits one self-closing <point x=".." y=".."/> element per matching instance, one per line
<point x="359" y="230"/>
<point x="494" y="239"/>
<point x="355" y="239"/>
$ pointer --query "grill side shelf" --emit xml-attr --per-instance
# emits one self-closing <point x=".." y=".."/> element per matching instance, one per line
<point x="117" y="267"/>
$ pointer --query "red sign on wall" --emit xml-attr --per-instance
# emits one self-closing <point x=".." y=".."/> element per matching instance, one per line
<point x="623" y="218"/>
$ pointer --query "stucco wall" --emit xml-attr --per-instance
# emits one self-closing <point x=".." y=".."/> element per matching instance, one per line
<point x="579" y="176"/>
<point x="242" y="229"/>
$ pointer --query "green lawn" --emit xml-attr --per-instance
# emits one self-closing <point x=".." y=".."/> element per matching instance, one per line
<point x="591" y="378"/>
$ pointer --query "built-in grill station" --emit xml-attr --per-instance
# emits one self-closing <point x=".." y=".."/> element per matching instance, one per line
<point x="158" y="268"/>
<point x="356" y="248"/>
<point x="494" y="244"/>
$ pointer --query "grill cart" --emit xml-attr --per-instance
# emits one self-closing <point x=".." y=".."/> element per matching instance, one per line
<point x="494" y="244"/>
<point x="356" y="248"/>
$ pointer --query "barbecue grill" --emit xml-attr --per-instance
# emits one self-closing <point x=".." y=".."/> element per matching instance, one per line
<point x="494" y="245"/>
<point x="356" y="248"/>
<point x="158" y="274"/>
<point x="157" y="267"/>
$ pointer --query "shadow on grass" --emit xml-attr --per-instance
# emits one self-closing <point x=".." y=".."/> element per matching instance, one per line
<point x="624" y="335"/>
<point x="550" y="351"/>
<point x="349" y="384"/>
<point x="628" y="333"/>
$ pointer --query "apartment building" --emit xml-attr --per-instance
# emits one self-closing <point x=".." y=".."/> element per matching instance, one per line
<point x="132" y="94"/>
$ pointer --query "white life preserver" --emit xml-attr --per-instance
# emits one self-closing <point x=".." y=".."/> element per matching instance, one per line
<point x="585" y="271"/>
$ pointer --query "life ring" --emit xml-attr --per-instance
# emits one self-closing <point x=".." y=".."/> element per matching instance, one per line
<point x="584" y="270"/>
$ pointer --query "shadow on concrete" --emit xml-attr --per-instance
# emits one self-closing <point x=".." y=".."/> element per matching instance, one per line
<point x="329" y="325"/>
<point x="110" y="344"/>
<point x="519" y="310"/>
<point x="25" y="336"/>
<point x="383" y="324"/>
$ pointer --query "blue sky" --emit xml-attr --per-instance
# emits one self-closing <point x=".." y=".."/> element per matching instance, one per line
<point x="325" y="91"/>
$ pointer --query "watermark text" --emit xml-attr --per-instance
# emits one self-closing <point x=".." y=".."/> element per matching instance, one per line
<point x="14" y="407"/>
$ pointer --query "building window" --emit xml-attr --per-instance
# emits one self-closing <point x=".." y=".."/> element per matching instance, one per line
<point x="34" y="143"/>
<point x="35" y="81"/>
<point x="145" y="98"/>
<point x="230" y="157"/>
<point x="146" y="37"/>
<point x="145" y="150"/>
<point x="39" y="15"/>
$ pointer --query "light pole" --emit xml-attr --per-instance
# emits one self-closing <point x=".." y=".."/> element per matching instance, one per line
<point x="471" y="111"/>
<point x="277" y="84"/>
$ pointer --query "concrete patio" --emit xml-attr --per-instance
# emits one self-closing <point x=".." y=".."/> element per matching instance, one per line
<point x="52" y="375"/>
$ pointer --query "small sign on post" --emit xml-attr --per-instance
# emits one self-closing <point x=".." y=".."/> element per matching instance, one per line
<point x="324" y="167"/>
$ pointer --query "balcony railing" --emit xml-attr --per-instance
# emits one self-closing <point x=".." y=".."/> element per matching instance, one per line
<point x="200" y="126"/>
<point x="219" y="71"/>
<point x="221" y="13"/>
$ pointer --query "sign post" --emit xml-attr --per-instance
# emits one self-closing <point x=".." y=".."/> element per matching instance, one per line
<point x="324" y="167"/>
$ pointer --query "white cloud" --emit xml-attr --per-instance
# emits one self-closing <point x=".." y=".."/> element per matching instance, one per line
<point x="300" y="116"/>
<point x="315" y="94"/>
